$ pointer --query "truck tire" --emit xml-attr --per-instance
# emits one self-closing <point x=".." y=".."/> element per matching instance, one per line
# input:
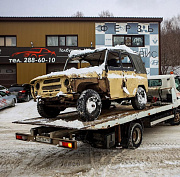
<point x="176" y="119"/>
<point x="47" y="112"/>
<point x="89" y="105"/>
<point x="140" y="100"/>
<point x="135" y="135"/>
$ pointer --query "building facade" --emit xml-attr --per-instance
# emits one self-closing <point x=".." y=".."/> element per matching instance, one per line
<point x="33" y="46"/>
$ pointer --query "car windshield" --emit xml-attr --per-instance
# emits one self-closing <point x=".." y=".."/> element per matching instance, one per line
<point x="86" y="60"/>
<point x="1" y="87"/>
<point x="2" y="93"/>
<point x="16" y="89"/>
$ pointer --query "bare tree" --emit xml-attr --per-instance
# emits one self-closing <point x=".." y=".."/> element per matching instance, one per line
<point x="105" y="13"/>
<point x="78" y="14"/>
<point x="170" y="45"/>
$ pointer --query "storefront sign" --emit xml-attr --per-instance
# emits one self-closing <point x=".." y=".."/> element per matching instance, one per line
<point x="35" y="55"/>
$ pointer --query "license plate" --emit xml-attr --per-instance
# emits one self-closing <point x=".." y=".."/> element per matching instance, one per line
<point x="43" y="139"/>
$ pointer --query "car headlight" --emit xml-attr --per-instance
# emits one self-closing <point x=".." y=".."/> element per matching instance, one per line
<point x="66" y="82"/>
<point x="37" y="86"/>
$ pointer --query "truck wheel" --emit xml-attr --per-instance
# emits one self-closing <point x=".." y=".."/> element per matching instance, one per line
<point x="175" y="120"/>
<point x="106" y="104"/>
<point x="135" y="135"/>
<point x="47" y="112"/>
<point x="140" y="100"/>
<point x="89" y="105"/>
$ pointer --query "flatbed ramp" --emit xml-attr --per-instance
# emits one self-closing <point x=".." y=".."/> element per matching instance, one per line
<point x="116" y="115"/>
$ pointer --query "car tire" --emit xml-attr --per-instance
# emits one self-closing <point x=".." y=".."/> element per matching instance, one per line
<point x="140" y="99"/>
<point x="27" y="98"/>
<point x="13" y="102"/>
<point x="89" y="105"/>
<point x="47" y="112"/>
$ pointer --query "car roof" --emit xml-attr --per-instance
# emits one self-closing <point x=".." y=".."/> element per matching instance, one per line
<point x="78" y="53"/>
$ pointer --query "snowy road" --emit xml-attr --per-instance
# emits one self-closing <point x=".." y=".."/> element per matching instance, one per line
<point x="159" y="154"/>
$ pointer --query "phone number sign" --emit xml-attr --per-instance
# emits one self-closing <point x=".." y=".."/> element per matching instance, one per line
<point x="32" y="60"/>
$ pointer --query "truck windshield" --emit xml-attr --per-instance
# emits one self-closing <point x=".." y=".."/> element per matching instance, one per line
<point x="177" y="82"/>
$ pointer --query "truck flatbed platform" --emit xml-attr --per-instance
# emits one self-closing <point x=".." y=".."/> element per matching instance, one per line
<point x="116" y="115"/>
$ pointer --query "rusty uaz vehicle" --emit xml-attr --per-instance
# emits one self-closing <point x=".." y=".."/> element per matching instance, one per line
<point x="101" y="76"/>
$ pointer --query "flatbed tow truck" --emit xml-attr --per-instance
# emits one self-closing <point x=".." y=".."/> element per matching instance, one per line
<point x="119" y="126"/>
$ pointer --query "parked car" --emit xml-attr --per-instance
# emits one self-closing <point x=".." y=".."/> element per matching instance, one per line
<point x="22" y="92"/>
<point x="4" y="89"/>
<point x="6" y="100"/>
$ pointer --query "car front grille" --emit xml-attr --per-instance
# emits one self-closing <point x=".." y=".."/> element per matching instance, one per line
<point x="51" y="87"/>
<point x="51" y="81"/>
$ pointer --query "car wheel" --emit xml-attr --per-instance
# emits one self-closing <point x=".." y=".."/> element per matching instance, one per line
<point x="27" y="98"/>
<point x="13" y="103"/>
<point x="47" y="112"/>
<point x="89" y="105"/>
<point x="140" y="100"/>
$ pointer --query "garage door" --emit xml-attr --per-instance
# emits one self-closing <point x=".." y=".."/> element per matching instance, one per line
<point x="7" y="75"/>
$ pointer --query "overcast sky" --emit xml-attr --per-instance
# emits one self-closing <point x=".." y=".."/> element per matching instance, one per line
<point x="120" y="8"/>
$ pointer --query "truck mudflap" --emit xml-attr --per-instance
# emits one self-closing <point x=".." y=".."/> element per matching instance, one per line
<point x="71" y="144"/>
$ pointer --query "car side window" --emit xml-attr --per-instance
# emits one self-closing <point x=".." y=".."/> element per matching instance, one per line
<point x="113" y="61"/>
<point x="126" y="62"/>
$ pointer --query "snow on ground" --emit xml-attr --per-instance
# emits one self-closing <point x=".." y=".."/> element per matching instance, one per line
<point x="159" y="154"/>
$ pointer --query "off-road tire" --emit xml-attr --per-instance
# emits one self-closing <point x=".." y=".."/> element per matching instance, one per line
<point x="140" y="99"/>
<point x="89" y="105"/>
<point x="106" y="104"/>
<point x="47" y="112"/>
<point x="135" y="135"/>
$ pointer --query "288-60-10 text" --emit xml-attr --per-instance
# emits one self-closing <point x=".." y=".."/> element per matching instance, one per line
<point x="33" y="60"/>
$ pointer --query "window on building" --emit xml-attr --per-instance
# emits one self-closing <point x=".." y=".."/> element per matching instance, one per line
<point x="129" y="40"/>
<point x="52" y="41"/>
<point x="8" y="41"/>
<point x="66" y="41"/>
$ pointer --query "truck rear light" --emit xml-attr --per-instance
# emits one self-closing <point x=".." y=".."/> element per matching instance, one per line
<point x="21" y="137"/>
<point x="68" y="144"/>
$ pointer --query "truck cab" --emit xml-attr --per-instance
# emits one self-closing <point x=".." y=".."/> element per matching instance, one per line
<point x="159" y="87"/>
